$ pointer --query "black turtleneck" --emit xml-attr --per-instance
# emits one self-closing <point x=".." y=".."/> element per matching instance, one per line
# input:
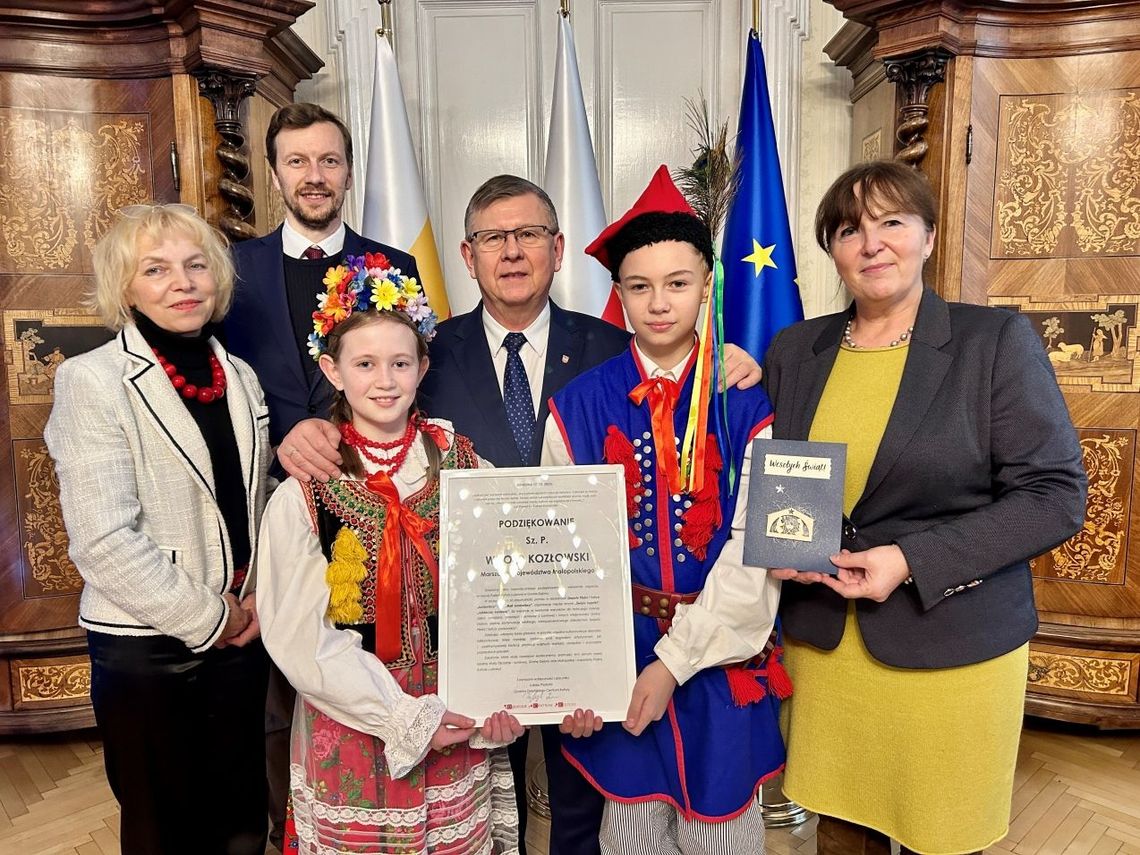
<point x="191" y="356"/>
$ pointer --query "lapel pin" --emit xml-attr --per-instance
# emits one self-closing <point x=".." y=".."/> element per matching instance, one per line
<point x="565" y="359"/>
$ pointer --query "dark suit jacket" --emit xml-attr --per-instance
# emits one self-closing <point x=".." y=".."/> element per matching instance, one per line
<point x="978" y="470"/>
<point x="258" y="328"/>
<point x="462" y="386"/>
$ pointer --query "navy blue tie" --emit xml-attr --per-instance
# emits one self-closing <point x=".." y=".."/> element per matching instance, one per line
<point x="516" y="396"/>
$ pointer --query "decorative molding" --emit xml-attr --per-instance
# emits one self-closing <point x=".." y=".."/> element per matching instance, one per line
<point x="226" y="92"/>
<point x="915" y="76"/>
<point x="1077" y="635"/>
<point x="998" y="28"/>
<point x="137" y="39"/>
<point x="293" y="61"/>
<point x="853" y="48"/>
<point x="785" y="27"/>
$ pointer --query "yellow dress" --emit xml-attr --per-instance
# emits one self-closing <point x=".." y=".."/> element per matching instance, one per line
<point x="924" y="756"/>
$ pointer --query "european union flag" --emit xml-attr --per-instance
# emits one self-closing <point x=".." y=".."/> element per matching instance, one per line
<point x="761" y="295"/>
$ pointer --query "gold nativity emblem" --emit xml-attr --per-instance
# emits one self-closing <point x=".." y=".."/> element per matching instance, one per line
<point x="790" y="524"/>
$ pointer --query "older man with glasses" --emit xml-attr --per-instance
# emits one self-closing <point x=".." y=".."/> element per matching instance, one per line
<point x="492" y="372"/>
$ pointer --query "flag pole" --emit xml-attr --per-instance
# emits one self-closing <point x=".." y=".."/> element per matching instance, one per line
<point x="564" y="8"/>
<point x="385" y="30"/>
<point x="756" y="16"/>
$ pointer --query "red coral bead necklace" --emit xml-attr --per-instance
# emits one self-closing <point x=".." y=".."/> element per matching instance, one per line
<point x="202" y="394"/>
<point x="388" y="465"/>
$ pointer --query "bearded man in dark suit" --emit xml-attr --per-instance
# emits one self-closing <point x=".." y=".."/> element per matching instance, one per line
<point x="278" y="276"/>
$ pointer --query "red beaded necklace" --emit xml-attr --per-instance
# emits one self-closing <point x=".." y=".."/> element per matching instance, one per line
<point x="202" y="394"/>
<point x="387" y="465"/>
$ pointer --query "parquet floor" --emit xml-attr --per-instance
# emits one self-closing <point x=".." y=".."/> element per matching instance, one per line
<point x="1077" y="792"/>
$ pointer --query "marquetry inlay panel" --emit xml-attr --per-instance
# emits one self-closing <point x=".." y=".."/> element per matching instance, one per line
<point x="873" y="145"/>
<point x="1092" y="344"/>
<point x="1068" y="181"/>
<point x="1098" y="552"/>
<point x="38" y="342"/>
<point x="62" y="176"/>
<point x="50" y="682"/>
<point x="1109" y="675"/>
<point x="49" y="570"/>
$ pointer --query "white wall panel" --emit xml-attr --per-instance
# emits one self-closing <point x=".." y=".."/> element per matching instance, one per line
<point x="823" y="152"/>
<point x="480" y="104"/>
<point x="650" y="55"/>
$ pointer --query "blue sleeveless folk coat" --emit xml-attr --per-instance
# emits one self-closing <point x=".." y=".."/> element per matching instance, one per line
<point x="706" y="756"/>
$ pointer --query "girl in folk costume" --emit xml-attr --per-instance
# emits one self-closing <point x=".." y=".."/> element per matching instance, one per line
<point x="681" y="774"/>
<point x="347" y="600"/>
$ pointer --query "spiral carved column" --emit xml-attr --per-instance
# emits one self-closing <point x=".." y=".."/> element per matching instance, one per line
<point x="226" y="92"/>
<point x="916" y="75"/>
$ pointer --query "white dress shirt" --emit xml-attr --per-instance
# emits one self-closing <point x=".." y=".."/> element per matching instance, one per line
<point x="736" y="610"/>
<point x="294" y="244"/>
<point x="533" y="353"/>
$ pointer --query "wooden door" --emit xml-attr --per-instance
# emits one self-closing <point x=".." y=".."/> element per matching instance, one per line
<point x="72" y="152"/>
<point x="1052" y="229"/>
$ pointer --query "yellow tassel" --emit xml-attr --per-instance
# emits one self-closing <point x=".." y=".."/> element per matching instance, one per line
<point x="344" y="574"/>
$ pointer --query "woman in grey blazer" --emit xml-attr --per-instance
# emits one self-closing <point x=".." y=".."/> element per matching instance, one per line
<point x="909" y="664"/>
<point x="161" y="447"/>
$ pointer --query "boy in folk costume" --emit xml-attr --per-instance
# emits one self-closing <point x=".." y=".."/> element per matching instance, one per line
<point x="348" y="603"/>
<point x="681" y="774"/>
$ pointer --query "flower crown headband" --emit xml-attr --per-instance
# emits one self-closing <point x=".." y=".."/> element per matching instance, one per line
<point x="368" y="281"/>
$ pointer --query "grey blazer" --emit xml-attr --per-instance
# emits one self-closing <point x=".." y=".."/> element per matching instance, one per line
<point x="978" y="470"/>
<point x="137" y="491"/>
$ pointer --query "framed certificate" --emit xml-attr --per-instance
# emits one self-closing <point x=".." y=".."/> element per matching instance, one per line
<point x="536" y="612"/>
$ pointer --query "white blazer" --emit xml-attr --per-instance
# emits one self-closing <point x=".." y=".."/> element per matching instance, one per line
<point x="137" y="491"/>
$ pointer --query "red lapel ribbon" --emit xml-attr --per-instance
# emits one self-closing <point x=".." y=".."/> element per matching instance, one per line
<point x="398" y="518"/>
<point x="437" y="434"/>
<point x="662" y="393"/>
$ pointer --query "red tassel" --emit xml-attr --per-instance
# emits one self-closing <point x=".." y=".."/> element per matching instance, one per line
<point x="702" y="520"/>
<point x="743" y="685"/>
<point x="778" y="679"/>
<point x="618" y="449"/>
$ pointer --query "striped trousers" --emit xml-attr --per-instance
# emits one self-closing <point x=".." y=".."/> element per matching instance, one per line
<point x="657" y="828"/>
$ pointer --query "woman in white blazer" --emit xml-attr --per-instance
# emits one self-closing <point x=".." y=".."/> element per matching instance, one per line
<point x="160" y="440"/>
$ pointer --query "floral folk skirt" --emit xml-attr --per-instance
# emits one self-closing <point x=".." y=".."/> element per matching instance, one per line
<point x="455" y="802"/>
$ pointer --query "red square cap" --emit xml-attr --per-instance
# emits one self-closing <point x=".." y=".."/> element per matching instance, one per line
<point x="661" y="197"/>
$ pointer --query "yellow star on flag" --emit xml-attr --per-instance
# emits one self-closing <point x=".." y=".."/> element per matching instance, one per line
<point x="761" y="256"/>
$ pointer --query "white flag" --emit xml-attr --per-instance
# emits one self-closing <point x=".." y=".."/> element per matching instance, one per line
<point x="395" y="212"/>
<point x="571" y="180"/>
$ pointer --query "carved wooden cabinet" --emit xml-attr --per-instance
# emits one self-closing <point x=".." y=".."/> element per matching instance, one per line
<point x="1026" y="118"/>
<point x="99" y="108"/>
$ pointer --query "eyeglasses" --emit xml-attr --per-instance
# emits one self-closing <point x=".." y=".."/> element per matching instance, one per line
<point x="492" y="240"/>
<point x="138" y="211"/>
